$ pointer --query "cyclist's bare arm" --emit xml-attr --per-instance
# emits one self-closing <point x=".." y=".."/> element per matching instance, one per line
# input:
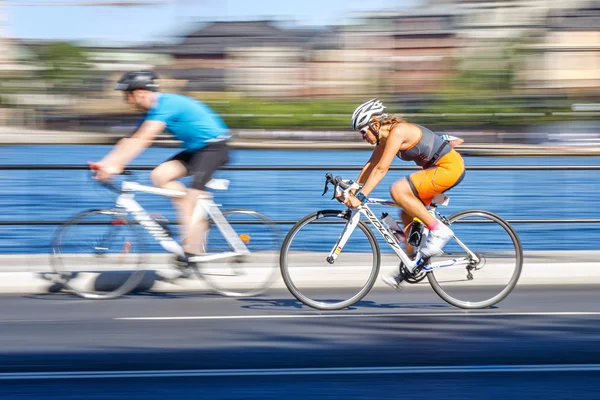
<point x="368" y="168"/>
<point x="129" y="148"/>
<point x="380" y="169"/>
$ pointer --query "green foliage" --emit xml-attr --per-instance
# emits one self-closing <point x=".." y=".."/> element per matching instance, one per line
<point x="63" y="64"/>
<point x="465" y="111"/>
<point x="479" y="96"/>
<point x="260" y="113"/>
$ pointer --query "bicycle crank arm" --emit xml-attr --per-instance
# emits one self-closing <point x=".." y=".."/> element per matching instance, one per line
<point x="213" y="257"/>
<point x="455" y="262"/>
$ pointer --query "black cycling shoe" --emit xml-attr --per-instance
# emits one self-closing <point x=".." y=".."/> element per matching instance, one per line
<point x="185" y="266"/>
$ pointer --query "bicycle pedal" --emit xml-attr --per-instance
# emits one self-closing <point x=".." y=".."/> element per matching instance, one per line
<point x="58" y="278"/>
<point x="179" y="260"/>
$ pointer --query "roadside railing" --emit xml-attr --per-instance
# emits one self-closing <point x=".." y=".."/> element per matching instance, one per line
<point x="29" y="167"/>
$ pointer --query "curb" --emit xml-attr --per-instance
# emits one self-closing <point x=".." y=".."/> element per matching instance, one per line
<point x="535" y="272"/>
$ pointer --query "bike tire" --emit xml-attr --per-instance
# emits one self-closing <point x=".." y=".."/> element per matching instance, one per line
<point x="68" y="245"/>
<point x="250" y="275"/>
<point x="300" y="293"/>
<point x="514" y="278"/>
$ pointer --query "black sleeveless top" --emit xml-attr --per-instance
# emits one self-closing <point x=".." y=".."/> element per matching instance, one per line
<point x="428" y="149"/>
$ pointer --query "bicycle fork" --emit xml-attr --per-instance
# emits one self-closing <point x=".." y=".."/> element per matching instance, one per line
<point x="348" y="229"/>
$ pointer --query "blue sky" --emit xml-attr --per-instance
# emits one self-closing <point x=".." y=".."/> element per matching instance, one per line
<point x="160" y="22"/>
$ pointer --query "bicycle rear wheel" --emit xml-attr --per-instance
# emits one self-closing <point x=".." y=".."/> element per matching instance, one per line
<point x="247" y="275"/>
<point x="489" y="280"/>
<point x="308" y="275"/>
<point x="97" y="254"/>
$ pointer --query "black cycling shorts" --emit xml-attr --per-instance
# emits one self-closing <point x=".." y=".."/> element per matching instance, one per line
<point x="202" y="163"/>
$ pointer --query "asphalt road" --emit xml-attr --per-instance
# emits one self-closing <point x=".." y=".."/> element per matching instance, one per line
<point x="540" y="341"/>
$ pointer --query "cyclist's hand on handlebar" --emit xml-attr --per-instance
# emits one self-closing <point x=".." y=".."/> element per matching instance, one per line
<point x="352" y="202"/>
<point x="340" y="195"/>
<point x="103" y="171"/>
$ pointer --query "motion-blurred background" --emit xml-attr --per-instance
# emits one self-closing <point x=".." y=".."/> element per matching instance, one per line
<point x="513" y="71"/>
<point x="519" y="80"/>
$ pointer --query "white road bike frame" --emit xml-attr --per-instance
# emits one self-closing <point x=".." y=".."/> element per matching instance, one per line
<point x="390" y="239"/>
<point x="205" y="206"/>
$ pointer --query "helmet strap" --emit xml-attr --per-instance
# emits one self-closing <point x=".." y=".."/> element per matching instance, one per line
<point x="376" y="132"/>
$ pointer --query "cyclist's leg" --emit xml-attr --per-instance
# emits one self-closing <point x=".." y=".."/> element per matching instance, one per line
<point x="406" y="221"/>
<point x="204" y="163"/>
<point x="165" y="176"/>
<point x="416" y="192"/>
<point x="425" y="184"/>
<point x="193" y="242"/>
<point x="403" y="194"/>
<point x="412" y="206"/>
<point x="446" y="174"/>
<point x="396" y="279"/>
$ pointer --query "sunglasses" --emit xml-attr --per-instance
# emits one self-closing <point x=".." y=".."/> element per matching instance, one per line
<point x="363" y="132"/>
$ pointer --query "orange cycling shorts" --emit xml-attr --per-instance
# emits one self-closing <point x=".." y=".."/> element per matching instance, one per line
<point x="447" y="172"/>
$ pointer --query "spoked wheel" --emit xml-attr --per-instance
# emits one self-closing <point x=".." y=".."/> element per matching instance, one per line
<point x="98" y="254"/>
<point x="311" y="278"/>
<point x="246" y="275"/>
<point x="494" y="268"/>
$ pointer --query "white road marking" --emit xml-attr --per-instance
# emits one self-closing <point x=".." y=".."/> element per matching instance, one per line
<point x="350" y="315"/>
<point x="470" y="369"/>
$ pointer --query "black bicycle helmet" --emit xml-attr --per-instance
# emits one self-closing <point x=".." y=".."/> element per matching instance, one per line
<point x="138" y="80"/>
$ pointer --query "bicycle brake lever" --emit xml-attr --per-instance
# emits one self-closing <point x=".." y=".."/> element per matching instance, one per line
<point x="328" y="179"/>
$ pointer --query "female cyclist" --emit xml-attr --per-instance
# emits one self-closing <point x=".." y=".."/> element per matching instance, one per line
<point x="443" y="168"/>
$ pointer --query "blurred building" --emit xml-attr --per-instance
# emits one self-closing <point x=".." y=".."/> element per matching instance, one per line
<point x="566" y="58"/>
<point x="5" y="49"/>
<point x="412" y="51"/>
<point x="249" y="56"/>
<point x="384" y="53"/>
<point x="553" y="48"/>
<point x="109" y="63"/>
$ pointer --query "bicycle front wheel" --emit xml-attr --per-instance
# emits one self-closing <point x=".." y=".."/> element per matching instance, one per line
<point x="311" y="278"/>
<point x="243" y="275"/>
<point x="493" y="272"/>
<point x="98" y="254"/>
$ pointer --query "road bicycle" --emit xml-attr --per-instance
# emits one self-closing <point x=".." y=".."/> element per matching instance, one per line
<point x="330" y="259"/>
<point x="102" y="253"/>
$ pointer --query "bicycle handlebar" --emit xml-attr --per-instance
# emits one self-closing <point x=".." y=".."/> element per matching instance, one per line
<point x="110" y="186"/>
<point x="337" y="182"/>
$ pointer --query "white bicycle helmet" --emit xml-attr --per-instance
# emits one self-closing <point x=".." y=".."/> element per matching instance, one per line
<point x="363" y="113"/>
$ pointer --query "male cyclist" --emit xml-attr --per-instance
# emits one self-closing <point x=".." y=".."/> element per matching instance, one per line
<point x="443" y="168"/>
<point x="202" y="133"/>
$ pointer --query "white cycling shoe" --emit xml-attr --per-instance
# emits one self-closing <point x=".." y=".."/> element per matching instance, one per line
<point x="436" y="241"/>
<point x="395" y="281"/>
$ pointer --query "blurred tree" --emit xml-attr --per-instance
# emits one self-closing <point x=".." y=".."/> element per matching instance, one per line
<point x="481" y="78"/>
<point x="63" y="64"/>
<point x="489" y="71"/>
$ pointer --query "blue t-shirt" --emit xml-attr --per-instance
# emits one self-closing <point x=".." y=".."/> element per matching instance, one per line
<point x="192" y="122"/>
